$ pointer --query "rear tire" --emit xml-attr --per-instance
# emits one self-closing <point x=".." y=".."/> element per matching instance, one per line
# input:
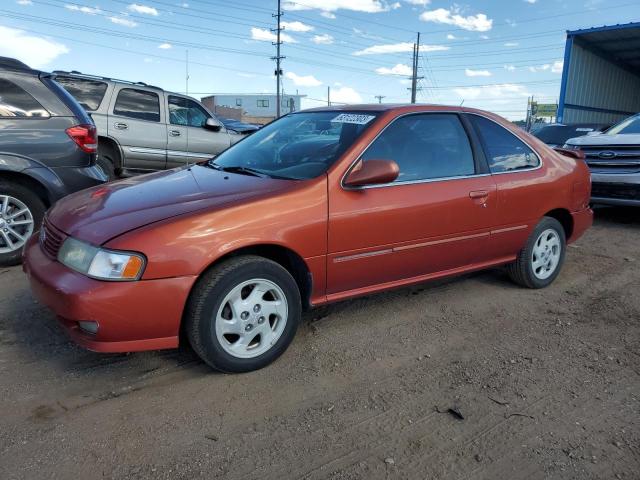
<point x="107" y="166"/>
<point x="243" y="314"/>
<point x="14" y="198"/>
<point x="540" y="261"/>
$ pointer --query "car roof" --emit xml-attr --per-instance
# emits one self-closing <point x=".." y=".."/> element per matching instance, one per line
<point x="8" y="63"/>
<point x="386" y="107"/>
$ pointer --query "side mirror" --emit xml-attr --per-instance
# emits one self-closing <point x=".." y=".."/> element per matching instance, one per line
<point x="211" y="124"/>
<point x="372" y="172"/>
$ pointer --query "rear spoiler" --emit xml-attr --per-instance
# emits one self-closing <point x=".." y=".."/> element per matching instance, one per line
<point x="575" y="154"/>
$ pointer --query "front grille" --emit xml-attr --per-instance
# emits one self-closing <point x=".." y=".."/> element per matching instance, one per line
<point x="612" y="158"/>
<point x="614" y="190"/>
<point x="51" y="239"/>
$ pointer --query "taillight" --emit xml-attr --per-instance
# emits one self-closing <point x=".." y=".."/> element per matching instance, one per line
<point x="85" y="136"/>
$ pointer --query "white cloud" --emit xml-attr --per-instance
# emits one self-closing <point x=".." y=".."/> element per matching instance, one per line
<point x="147" y="60"/>
<point x="324" y="39"/>
<point x="143" y="9"/>
<point x="557" y="66"/>
<point x="531" y="1"/>
<point x="484" y="37"/>
<point x="184" y="5"/>
<point x="303" y="80"/>
<point x="34" y="51"/>
<point x="509" y="68"/>
<point x="539" y="68"/>
<point x="84" y="9"/>
<point x="125" y="22"/>
<point x="165" y="46"/>
<point x="495" y="91"/>
<point x="368" y="6"/>
<point x="422" y="3"/>
<point x="451" y="37"/>
<point x="24" y="2"/>
<point x="511" y="44"/>
<point x="345" y="95"/>
<point x="477" y="73"/>
<point x="395" y="5"/>
<point x="264" y="35"/>
<point x="399" y="69"/>
<point x="477" y="23"/>
<point x="328" y="15"/>
<point x="398" y="48"/>
<point x="297" y="26"/>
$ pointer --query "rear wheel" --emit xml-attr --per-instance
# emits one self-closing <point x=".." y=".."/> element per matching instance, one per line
<point x="539" y="262"/>
<point x="243" y="314"/>
<point x="21" y="213"/>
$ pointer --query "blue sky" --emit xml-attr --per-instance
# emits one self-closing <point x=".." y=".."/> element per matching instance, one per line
<point x="489" y="54"/>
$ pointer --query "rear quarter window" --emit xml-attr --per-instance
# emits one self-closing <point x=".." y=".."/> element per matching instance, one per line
<point x="505" y="152"/>
<point x="88" y="93"/>
<point x="138" y="104"/>
<point x="15" y="102"/>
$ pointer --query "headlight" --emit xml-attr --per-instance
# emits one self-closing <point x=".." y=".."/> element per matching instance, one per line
<point x="570" y="147"/>
<point x="100" y="263"/>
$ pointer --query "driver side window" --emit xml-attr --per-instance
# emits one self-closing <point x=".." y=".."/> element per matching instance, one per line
<point x="185" y="112"/>
<point x="425" y="146"/>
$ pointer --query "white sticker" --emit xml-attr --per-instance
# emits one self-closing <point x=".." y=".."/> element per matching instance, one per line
<point x="358" y="119"/>
<point x="584" y="129"/>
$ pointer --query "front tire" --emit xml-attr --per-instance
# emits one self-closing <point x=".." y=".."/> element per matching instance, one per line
<point x="243" y="314"/>
<point x="540" y="261"/>
<point x="21" y="214"/>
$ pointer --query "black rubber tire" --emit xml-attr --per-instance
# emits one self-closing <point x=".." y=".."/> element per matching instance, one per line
<point x="106" y="164"/>
<point x="33" y="203"/>
<point x="521" y="271"/>
<point x="205" y="300"/>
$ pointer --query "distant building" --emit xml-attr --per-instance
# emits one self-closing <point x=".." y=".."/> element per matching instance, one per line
<point x="255" y="107"/>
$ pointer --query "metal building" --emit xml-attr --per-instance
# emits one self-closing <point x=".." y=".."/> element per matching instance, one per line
<point x="601" y="74"/>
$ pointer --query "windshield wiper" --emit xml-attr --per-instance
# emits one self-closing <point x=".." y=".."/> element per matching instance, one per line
<point x="244" y="170"/>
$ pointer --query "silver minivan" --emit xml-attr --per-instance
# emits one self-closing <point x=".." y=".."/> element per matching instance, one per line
<point x="144" y="128"/>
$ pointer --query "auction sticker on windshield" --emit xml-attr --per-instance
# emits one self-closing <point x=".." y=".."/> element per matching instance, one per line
<point x="358" y="119"/>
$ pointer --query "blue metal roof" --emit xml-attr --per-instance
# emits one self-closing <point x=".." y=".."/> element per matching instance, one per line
<point x="618" y="43"/>
<point x="604" y="28"/>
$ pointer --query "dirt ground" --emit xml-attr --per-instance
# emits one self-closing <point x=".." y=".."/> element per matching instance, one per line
<point x="548" y="383"/>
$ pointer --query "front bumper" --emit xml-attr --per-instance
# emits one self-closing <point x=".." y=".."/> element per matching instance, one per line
<point x="615" y="189"/>
<point x="131" y="316"/>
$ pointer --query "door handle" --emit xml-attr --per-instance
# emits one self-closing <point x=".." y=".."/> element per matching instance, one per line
<point x="479" y="196"/>
<point x="121" y="126"/>
<point x="174" y="133"/>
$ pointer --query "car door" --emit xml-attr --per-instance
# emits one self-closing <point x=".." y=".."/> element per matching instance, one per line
<point x="137" y="124"/>
<point x="435" y="217"/>
<point x="516" y="169"/>
<point x="188" y="139"/>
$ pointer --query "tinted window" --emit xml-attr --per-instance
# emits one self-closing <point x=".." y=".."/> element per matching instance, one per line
<point x="138" y="104"/>
<point x="15" y="102"/>
<point x="505" y="152"/>
<point x="630" y="125"/>
<point x="88" y="93"/>
<point x="425" y="146"/>
<point x="188" y="113"/>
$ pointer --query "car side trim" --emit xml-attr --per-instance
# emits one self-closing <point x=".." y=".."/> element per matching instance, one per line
<point x="401" y="248"/>
<point x="508" y="229"/>
<point x="150" y="151"/>
<point x="181" y="153"/>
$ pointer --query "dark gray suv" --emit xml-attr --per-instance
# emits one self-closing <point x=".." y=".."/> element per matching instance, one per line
<point x="48" y="147"/>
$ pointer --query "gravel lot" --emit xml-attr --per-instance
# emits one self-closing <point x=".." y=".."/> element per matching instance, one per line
<point x="548" y="383"/>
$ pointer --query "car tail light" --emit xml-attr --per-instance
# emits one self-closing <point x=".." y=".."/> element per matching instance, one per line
<point x="85" y="136"/>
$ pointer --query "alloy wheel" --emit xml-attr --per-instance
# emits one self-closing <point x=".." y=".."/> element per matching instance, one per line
<point x="16" y="224"/>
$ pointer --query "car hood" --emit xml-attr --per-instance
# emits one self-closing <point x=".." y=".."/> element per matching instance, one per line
<point x="606" y="140"/>
<point x="99" y="214"/>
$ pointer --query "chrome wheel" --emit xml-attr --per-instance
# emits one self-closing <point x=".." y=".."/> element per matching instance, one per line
<point x="546" y="254"/>
<point x="16" y="224"/>
<point x="251" y="318"/>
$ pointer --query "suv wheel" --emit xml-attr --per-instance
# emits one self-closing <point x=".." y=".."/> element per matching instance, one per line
<point x="106" y="165"/>
<point x="539" y="262"/>
<point x="243" y="314"/>
<point x="21" y="213"/>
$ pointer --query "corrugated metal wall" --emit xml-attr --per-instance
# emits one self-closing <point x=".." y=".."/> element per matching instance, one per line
<point x="598" y="83"/>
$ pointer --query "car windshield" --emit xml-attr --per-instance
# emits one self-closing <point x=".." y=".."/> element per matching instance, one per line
<point x="630" y="125"/>
<point x="558" y="134"/>
<point x="298" y="146"/>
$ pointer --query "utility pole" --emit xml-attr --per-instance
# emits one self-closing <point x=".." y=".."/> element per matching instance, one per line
<point x="278" y="57"/>
<point x="414" y="77"/>
<point x="379" y="97"/>
<point x="187" y="74"/>
<point x="328" y="96"/>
